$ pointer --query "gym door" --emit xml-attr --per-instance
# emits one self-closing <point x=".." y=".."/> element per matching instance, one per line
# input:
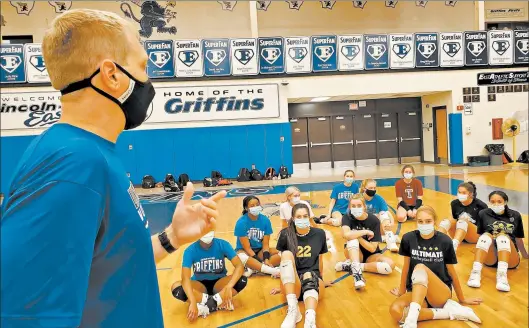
<point x="441" y="129"/>
<point x="410" y="137"/>
<point x="320" y="152"/>
<point x="387" y="136"/>
<point x="365" y="139"/>
<point x="300" y="143"/>
<point x="342" y="141"/>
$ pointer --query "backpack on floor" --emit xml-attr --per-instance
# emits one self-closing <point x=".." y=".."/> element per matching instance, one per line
<point x="216" y="175"/>
<point x="283" y="172"/>
<point x="244" y="175"/>
<point x="270" y="173"/>
<point x="183" y="179"/>
<point x="210" y="182"/>
<point x="148" y="182"/>
<point x="256" y="175"/>
<point x="169" y="184"/>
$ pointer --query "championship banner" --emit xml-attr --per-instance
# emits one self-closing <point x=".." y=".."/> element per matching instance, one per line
<point x="401" y="54"/>
<point x="376" y="51"/>
<point x="215" y="103"/>
<point x="244" y="57"/>
<point x="521" y="47"/>
<point x="216" y="53"/>
<point x="161" y="59"/>
<point x="503" y="78"/>
<point x="298" y="59"/>
<point x="476" y="53"/>
<point x="12" y="64"/>
<point x="35" y="67"/>
<point x="451" y="49"/>
<point x="324" y="58"/>
<point x="350" y="52"/>
<point x="29" y="110"/>
<point x="188" y="58"/>
<point x="426" y="50"/>
<point x="271" y="56"/>
<point x="501" y="47"/>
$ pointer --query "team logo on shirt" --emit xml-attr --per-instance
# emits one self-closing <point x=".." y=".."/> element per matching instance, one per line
<point x="427" y="254"/>
<point x="499" y="227"/>
<point x="345" y="195"/>
<point x="208" y="265"/>
<point x="136" y="201"/>
<point x="409" y="192"/>
<point x="255" y="234"/>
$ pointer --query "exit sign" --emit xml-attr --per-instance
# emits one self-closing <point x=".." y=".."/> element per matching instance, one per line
<point x="353" y="106"/>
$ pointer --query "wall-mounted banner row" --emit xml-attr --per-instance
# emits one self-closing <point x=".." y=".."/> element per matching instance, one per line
<point x="295" y="55"/>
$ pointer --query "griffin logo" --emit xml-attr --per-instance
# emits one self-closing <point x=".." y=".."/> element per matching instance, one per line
<point x="154" y="15"/>
<point x="23" y="7"/>
<point x="60" y="6"/>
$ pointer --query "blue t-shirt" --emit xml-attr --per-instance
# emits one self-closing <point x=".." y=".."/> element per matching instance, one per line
<point x="376" y="205"/>
<point x="208" y="264"/>
<point x="342" y="193"/>
<point x="76" y="246"/>
<point x="254" y="230"/>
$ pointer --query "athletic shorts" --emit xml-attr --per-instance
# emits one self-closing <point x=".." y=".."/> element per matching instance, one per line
<point x="365" y="252"/>
<point x="428" y="305"/>
<point x="209" y="284"/>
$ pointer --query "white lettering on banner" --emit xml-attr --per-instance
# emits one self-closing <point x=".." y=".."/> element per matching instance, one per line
<point x="215" y="103"/>
<point x="29" y="110"/>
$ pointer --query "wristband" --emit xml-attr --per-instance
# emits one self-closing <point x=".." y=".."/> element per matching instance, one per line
<point x="165" y="242"/>
<point x="404" y="205"/>
<point x="266" y="255"/>
<point x="418" y="203"/>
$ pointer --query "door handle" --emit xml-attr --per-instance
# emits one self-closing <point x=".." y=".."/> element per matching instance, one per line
<point x="365" y="141"/>
<point x="343" y="143"/>
<point x="300" y="145"/>
<point x="408" y="139"/>
<point x="390" y="140"/>
<point x="320" y="144"/>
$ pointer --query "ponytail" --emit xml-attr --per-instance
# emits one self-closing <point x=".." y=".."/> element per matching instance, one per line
<point x="470" y="187"/>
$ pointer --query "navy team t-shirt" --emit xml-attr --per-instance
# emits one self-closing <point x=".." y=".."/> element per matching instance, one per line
<point x="76" y="247"/>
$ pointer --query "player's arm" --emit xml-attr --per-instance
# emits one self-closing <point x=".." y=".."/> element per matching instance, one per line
<point x="455" y="281"/>
<point x="369" y="246"/>
<point x="349" y="234"/>
<point x="245" y="242"/>
<point x="266" y="243"/>
<point x="237" y="272"/>
<point x="186" y="285"/>
<point x="321" y="265"/>
<point x="404" y="275"/>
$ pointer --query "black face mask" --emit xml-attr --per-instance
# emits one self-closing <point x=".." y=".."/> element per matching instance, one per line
<point x="370" y="193"/>
<point x="134" y="102"/>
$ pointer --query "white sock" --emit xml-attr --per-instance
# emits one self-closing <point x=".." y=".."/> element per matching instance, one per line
<point x="502" y="267"/>
<point x="477" y="267"/>
<point x="292" y="300"/>
<point x="362" y="266"/>
<point x="440" y="314"/>
<point x="267" y="269"/>
<point x="218" y="299"/>
<point x="456" y="243"/>
<point x="310" y="314"/>
<point x="390" y="237"/>
<point x="356" y="265"/>
<point x="204" y="298"/>
<point x="413" y="312"/>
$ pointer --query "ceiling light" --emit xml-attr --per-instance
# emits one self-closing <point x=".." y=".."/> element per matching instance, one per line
<point x="320" y="99"/>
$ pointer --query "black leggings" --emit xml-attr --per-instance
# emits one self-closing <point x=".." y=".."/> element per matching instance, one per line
<point x="180" y="294"/>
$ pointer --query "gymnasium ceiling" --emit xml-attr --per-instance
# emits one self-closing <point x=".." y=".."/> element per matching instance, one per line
<point x="361" y="97"/>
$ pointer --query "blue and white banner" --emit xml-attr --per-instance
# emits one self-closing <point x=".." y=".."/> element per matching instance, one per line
<point x="298" y="59"/>
<point x="476" y="52"/>
<point x="215" y="103"/>
<point x="35" y="67"/>
<point x="188" y="58"/>
<point x="426" y="50"/>
<point x="501" y="50"/>
<point x="401" y="52"/>
<point x="244" y="57"/>
<point x="350" y="52"/>
<point x="376" y="51"/>
<point x="324" y="57"/>
<point x="12" y="66"/>
<point x="521" y="47"/>
<point x="161" y="59"/>
<point x="216" y="53"/>
<point x="451" y="49"/>
<point x="29" y="110"/>
<point x="271" y="56"/>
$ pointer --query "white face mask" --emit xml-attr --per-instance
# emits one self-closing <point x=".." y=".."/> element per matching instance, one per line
<point x="302" y="223"/>
<point x="408" y="176"/>
<point x="208" y="238"/>
<point x="498" y="209"/>
<point x="357" y="211"/>
<point x="349" y="180"/>
<point x="256" y="210"/>
<point x="425" y="229"/>
<point x="462" y="197"/>
<point x="296" y="200"/>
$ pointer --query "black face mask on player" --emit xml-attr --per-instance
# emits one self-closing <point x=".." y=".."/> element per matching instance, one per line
<point x="370" y="193"/>
<point x="134" y="102"/>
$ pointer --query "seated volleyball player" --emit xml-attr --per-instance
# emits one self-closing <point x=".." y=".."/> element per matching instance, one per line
<point x="465" y="210"/>
<point x="253" y="231"/>
<point x="301" y="248"/>
<point x="210" y="288"/>
<point x="409" y="194"/>
<point x="340" y="199"/>
<point x="361" y="230"/>
<point x="502" y="234"/>
<point x="376" y="205"/>
<point x="428" y="276"/>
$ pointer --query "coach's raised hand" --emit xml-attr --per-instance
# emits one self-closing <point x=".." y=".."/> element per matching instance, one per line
<point x="192" y="221"/>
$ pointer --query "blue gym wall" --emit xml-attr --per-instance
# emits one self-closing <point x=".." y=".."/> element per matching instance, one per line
<point x="195" y="151"/>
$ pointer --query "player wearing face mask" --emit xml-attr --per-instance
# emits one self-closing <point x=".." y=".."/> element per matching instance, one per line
<point x="409" y="194"/>
<point x="428" y="277"/>
<point x="253" y="231"/>
<point x="293" y="196"/>
<point x="501" y="238"/>
<point x="361" y="231"/>
<point x="210" y="288"/>
<point x="465" y="210"/>
<point x="340" y="199"/>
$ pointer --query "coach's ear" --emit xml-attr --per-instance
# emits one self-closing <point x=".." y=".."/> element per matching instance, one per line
<point x="111" y="79"/>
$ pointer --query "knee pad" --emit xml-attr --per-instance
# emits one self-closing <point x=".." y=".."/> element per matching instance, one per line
<point x="310" y="281"/>
<point x="240" y="284"/>
<point x="445" y="224"/>
<point x="484" y="242"/>
<point x="419" y="277"/>
<point x="180" y="294"/>
<point x="384" y="268"/>
<point x="244" y="258"/>
<point x="503" y="243"/>
<point x="310" y="293"/>
<point x="286" y="268"/>
<point x="384" y="216"/>
<point x="336" y="222"/>
<point x="462" y="224"/>
<point x="353" y="244"/>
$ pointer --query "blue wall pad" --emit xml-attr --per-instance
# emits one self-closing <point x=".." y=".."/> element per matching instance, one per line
<point x="455" y="129"/>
